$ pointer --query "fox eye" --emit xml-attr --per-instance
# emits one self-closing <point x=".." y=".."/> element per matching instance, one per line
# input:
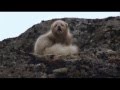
<point x="62" y="25"/>
<point x="55" y="25"/>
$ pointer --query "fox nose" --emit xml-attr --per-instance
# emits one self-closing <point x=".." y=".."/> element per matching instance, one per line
<point x="59" y="27"/>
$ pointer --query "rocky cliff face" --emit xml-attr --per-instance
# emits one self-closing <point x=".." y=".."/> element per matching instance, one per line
<point x="98" y="41"/>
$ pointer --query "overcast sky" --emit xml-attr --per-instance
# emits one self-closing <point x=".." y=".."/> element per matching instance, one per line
<point x="13" y="24"/>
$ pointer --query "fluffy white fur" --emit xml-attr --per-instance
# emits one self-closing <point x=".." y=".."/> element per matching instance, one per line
<point x="59" y="49"/>
<point x="57" y="42"/>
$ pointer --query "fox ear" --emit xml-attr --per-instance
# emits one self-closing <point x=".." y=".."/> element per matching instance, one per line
<point x="51" y="27"/>
<point x="66" y="24"/>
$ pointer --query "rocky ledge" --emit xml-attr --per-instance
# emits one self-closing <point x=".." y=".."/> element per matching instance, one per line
<point x="98" y="41"/>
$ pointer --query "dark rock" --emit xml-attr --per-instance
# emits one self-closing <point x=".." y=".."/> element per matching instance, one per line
<point x="99" y="45"/>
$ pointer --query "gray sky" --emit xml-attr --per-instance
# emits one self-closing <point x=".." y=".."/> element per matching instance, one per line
<point x="13" y="24"/>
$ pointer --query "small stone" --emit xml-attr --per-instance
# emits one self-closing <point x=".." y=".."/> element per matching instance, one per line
<point x="43" y="75"/>
<point x="40" y="75"/>
<point x="60" y="70"/>
<point x="110" y="51"/>
<point x="40" y="67"/>
<point x="51" y="76"/>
